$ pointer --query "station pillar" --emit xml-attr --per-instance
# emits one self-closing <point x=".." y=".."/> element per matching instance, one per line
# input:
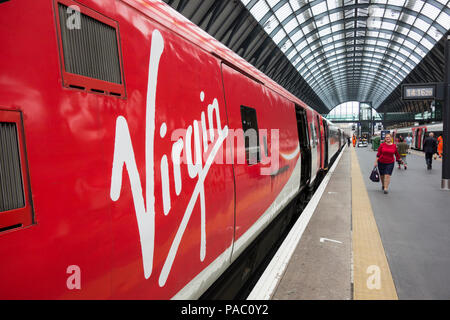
<point x="445" y="185"/>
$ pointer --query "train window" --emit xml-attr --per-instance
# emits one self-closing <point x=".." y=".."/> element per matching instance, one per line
<point x="313" y="135"/>
<point x="318" y="128"/>
<point x="302" y="127"/>
<point x="14" y="210"/>
<point x="90" y="52"/>
<point x="251" y="135"/>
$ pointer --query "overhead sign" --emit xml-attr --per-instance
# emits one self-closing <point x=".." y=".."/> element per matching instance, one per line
<point x="421" y="91"/>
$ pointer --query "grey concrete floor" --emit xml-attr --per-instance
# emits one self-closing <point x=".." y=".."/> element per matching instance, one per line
<point x="322" y="270"/>
<point x="414" y="225"/>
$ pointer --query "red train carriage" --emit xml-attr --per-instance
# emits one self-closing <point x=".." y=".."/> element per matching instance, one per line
<point x="127" y="170"/>
<point x="419" y="133"/>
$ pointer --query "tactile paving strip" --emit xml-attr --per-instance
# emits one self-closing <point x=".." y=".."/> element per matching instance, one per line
<point x="372" y="276"/>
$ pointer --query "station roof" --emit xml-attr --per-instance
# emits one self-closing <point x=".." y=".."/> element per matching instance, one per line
<point x="353" y="49"/>
<point x="327" y="52"/>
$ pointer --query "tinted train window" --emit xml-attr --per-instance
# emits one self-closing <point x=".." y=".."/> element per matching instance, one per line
<point x="313" y="135"/>
<point x="251" y="135"/>
<point x="318" y="129"/>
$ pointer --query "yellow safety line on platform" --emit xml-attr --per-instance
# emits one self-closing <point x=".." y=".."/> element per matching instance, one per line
<point x="371" y="274"/>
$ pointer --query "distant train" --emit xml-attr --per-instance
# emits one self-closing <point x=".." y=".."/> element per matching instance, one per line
<point x="418" y="133"/>
<point x="140" y="157"/>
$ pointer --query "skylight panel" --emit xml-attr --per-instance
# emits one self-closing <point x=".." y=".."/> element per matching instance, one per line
<point x="319" y="8"/>
<point x="414" y="35"/>
<point x="283" y="12"/>
<point x="295" y="4"/>
<point x="296" y="36"/>
<point x="392" y="14"/>
<point x="308" y="28"/>
<point x="336" y="16"/>
<point x="415" y="5"/>
<point x="430" y="11"/>
<point x="301" y="45"/>
<point x="259" y="10"/>
<point x="332" y="4"/>
<point x="421" y="25"/>
<point x="290" y="25"/>
<point x="270" y="24"/>
<point x="323" y="21"/>
<point x="273" y="3"/>
<point x="324" y="32"/>
<point x="285" y="47"/>
<point x="337" y="27"/>
<point x="291" y="55"/>
<point x="388" y="26"/>
<point x="279" y="36"/>
<point x="435" y="33"/>
<point x="444" y="20"/>
<point x="427" y="44"/>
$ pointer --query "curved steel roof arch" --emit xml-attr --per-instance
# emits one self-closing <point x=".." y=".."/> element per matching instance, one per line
<point x="365" y="68"/>
<point x="347" y="87"/>
<point x="341" y="83"/>
<point x="361" y="59"/>
<point x="328" y="41"/>
<point x="386" y="45"/>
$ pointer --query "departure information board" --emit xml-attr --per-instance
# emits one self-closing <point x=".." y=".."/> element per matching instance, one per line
<point x="423" y="91"/>
<point x="418" y="93"/>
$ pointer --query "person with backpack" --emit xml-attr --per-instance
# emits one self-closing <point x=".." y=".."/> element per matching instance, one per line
<point x="402" y="148"/>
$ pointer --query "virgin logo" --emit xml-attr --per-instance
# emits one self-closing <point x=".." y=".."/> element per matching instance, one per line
<point x="124" y="156"/>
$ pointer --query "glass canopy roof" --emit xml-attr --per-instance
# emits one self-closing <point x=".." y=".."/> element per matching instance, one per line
<point x="353" y="50"/>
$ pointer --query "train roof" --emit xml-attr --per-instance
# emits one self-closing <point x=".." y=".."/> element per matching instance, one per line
<point x="434" y="126"/>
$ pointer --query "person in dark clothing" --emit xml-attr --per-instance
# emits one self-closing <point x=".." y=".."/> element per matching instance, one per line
<point x="348" y="141"/>
<point x="430" y="148"/>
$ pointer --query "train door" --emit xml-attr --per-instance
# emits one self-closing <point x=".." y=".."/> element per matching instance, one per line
<point x="424" y="135"/>
<point x="313" y="142"/>
<point x="246" y="113"/>
<point x="414" y="137"/>
<point x="326" y="142"/>
<point x="302" y="128"/>
<point x="417" y="138"/>
<point x="320" y="137"/>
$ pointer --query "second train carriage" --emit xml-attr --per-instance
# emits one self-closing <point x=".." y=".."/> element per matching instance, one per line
<point x="419" y="133"/>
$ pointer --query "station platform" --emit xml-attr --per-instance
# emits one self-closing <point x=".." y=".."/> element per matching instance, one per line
<point x="354" y="242"/>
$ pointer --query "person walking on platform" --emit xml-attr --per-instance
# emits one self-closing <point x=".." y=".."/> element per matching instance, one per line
<point x="409" y="142"/>
<point x="348" y="141"/>
<point x="354" y="141"/>
<point x="385" y="161"/>
<point x="430" y="148"/>
<point x="402" y="148"/>
<point x="440" y="147"/>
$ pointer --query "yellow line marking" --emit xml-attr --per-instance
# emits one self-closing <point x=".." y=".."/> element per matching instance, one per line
<point x="371" y="274"/>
